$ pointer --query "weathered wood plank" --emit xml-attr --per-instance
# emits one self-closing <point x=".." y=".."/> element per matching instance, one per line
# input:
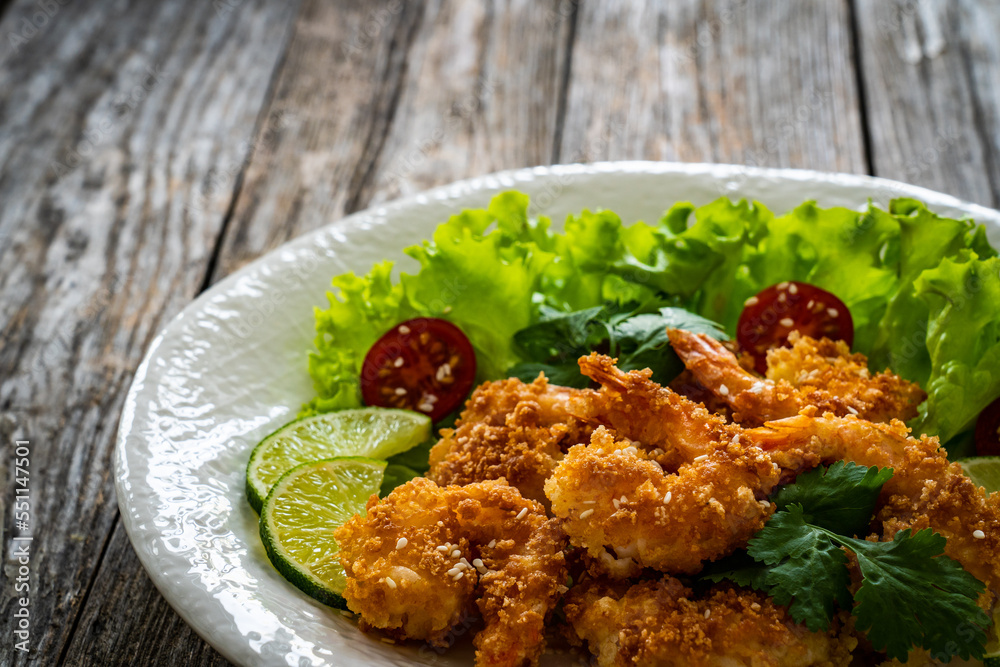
<point x="747" y="82"/>
<point x="932" y="90"/>
<point x="441" y="91"/>
<point x="127" y="617"/>
<point x="121" y="122"/>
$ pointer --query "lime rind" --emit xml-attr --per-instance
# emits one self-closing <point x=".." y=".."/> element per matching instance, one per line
<point x="301" y="512"/>
<point x="377" y="433"/>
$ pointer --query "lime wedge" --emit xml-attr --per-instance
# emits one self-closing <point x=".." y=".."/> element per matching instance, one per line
<point x="300" y="514"/>
<point x="983" y="471"/>
<point x="377" y="433"/>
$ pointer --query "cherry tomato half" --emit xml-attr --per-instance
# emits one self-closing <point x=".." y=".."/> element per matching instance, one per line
<point x="776" y="311"/>
<point x="988" y="430"/>
<point x="424" y="364"/>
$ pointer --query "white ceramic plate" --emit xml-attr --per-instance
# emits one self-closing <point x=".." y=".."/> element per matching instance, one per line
<point x="232" y="367"/>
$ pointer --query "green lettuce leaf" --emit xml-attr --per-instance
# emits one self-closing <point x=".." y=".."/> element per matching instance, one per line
<point x="963" y="341"/>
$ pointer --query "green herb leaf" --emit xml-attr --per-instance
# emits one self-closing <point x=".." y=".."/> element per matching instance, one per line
<point x="840" y="498"/>
<point x="809" y="573"/>
<point x="912" y="594"/>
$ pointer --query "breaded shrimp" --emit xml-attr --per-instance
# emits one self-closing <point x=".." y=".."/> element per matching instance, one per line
<point x="657" y="623"/>
<point x="821" y="373"/>
<point x="510" y="430"/>
<point x="925" y="491"/>
<point x="612" y="496"/>
<point x="425" y="553"/>
<point x="654" y="416"/>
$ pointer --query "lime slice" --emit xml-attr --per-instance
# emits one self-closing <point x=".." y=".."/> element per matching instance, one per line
<point x="373" y="432"/>
<point x="983" y="471"/>
<point x="300" y="514"/>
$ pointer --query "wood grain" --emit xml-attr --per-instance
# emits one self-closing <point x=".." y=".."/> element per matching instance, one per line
<point x="756" y="83"/>
<point x="121" y="123"/>
<point x="440" y="91"/>
<point x="931" y="72"/>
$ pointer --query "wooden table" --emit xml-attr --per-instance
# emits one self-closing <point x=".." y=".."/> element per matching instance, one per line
<point x="148" y="149"/>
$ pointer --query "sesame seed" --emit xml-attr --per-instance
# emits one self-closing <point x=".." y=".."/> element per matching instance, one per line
<point x="443" y="371"/>
<point x="444" y="548"/>
<point x="345" y="613"/>
<point x="401" y="543"/>
<point x="616" y="502"/>
<point x="809" y="306"/>
<point x="832" y="312"/>
<point x="782" y="297"/>
<point x="624" y="499"/>
<point x="724" y="390"/>
<point x="458" y="576"/>
<point x="752" y="301"/>
<point x="391" y="582"/>
<point x="757" y="387"/>
<point x="456" y="553"/>
<point x="852" y="410"/>
<point x="523" y="513"/>
<point x="755" y="606"/>
<point x="461" y="566"/>
<point x="446" y="310"/>
<point x="700" y="458"/>
<point x="708" y="612"/>
<point x="425" y="407"/>
<point x="586" y="514"/>
<point x="616" y="452"/>
<point x="589" y="502"/>
<point x="400" y="391"/>
<point x="399" y="362"/>
<point x="783" y="285"/>
<point x="478" y="563"/>
<point x="465" y="562"/>
<point x="667" y="497"/>
<point x="386" y="640"/>
<point x="453" y="571"/>
<point x="403" y="329"/>
<point x="736" y="439"/>
<point x="793" y="289"/>
<point x="492" y="544"/>
<point x="630" y="450"/>
<point x="979" y="535"/>
<point x="657" y="452"/>
<point x="787" y="322"/>
<point x="657" y="464"/>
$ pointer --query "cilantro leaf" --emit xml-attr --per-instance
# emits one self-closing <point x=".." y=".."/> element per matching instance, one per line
<point x="809" y="573"/>
<point x="738" y="567"/>
<point x="912" y="594"/>
<point x="840" y="498"/>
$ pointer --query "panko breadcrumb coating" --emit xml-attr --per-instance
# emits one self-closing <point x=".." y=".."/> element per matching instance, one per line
<point x="426" y="555"/>
<point x="820" y="373"/>
<point x="511" y="430"/>
<point x="658" y="623"/>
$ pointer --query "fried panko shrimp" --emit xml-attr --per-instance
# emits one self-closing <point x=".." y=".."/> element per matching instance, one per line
<point x="512" y="430"/>
<point x="425" y="553"/>
<point x="925" y="491"/>
<point x="822" y="373"/>
<point x="657" y="623"/>
<point x="629" y="513"/>
<point x="655" y="417"/>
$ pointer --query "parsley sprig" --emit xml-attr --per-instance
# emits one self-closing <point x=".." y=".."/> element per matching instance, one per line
<point x="911" y="594"/>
